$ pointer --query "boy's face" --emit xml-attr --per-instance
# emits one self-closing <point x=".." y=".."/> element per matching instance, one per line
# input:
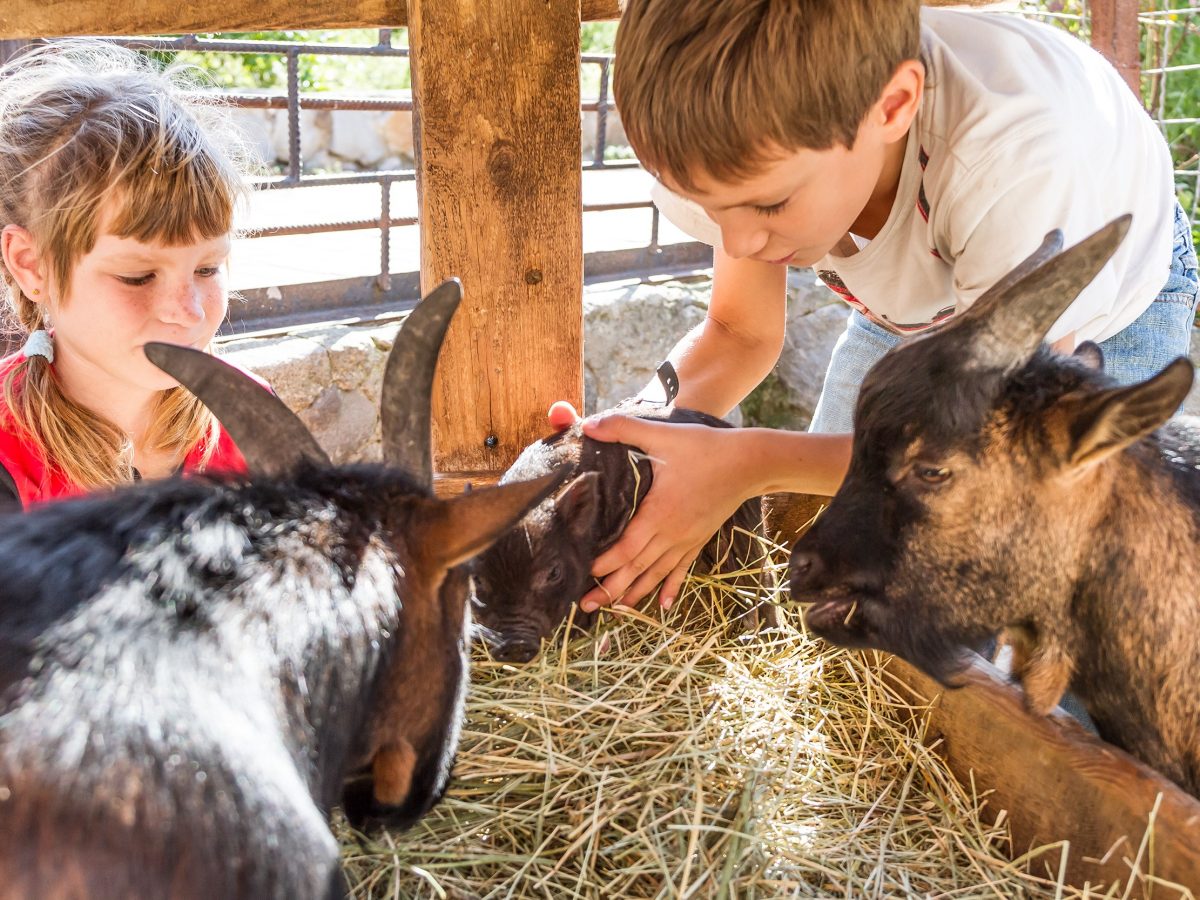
<point x="803" y="202"/>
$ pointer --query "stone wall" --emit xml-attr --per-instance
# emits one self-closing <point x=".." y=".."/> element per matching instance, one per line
<point x="331" y="375"/>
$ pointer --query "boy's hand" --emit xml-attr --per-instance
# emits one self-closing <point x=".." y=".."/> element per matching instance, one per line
<point x="694" y="491"/>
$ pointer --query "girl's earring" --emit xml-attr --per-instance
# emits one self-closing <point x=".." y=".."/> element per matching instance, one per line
<point x="36" y="292"/>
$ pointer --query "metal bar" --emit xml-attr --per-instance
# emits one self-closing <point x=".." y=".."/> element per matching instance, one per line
<point x="9" y="50"/>
<point x="1115" y="34"/>
<point x="293" y="108"/>
<point x="327" y="227"/>
<point x="613" y="164"/>
<point x="361" y="298"/>
<point x="611" y="207"/>
<point x="385" y="221"/>
<point x="601" y="116"/>
<point x="385" y="239"/>
<point x="308" y="101"/>
<point x="191" y="42"/>
<point x="335" y="180"/>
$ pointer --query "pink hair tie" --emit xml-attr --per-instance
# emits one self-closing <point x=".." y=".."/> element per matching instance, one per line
<point x="39" y="343"/>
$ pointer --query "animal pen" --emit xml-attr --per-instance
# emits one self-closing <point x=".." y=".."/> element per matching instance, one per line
<point x="652" y="759"/>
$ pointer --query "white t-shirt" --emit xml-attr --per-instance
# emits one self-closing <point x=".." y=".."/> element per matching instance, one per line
<point x="1022" y="129"/>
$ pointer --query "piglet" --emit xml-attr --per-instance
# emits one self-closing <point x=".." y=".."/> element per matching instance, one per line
<point x="528" y="581"/>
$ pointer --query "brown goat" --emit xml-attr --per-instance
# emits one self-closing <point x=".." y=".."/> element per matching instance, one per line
<point x="996" y="486"/>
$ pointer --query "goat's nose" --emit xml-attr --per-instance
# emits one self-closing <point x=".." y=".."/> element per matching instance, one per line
<point x="518" y="651"/>
<point x="804" y="570"/>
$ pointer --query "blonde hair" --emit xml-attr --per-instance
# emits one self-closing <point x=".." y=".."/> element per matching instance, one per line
<point x="714" y="85"/>
<point x="88" y="129"/>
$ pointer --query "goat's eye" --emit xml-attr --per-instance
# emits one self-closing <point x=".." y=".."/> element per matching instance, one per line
<point x="932" y="474"/>
<point x="554" y="575"/>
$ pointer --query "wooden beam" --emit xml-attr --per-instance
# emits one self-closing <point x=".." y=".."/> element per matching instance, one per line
<point x="496" y="97"/>
<point x="1056" y="781"/>
<point x="1115" y="34"/>
<point x="62" y="18"/>
<point x="611" y="9"/>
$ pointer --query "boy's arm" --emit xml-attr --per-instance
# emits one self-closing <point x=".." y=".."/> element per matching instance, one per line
<point x="701" y="475"/>
<point x="725" y="357"/>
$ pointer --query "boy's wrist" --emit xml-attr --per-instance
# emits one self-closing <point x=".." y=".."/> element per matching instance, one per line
<point x="777" y="461"/>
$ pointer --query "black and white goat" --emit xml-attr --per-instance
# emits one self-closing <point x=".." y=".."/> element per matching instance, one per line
<point x="189" y="670"/>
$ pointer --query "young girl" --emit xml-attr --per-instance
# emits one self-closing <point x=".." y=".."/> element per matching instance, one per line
<point x="117" y="198"/>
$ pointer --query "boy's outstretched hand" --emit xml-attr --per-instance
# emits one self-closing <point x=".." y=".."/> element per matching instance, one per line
<point x="695" y="490"/>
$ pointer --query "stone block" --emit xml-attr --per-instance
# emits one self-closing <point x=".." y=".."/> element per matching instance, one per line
<point x="343" y="422"/>
<point x="357" y="138"/>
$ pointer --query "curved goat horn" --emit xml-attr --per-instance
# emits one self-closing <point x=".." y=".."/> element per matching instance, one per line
<point x="271" y="437"/>
<point x="408" y="382"/>
<point x="1011" y="320"/>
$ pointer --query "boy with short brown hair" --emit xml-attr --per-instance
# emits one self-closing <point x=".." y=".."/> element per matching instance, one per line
<point x="913" y="157"/>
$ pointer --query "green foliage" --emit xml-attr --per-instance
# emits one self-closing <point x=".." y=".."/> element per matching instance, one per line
<point x="594" y="37"/>
<point x="241" y="71"/>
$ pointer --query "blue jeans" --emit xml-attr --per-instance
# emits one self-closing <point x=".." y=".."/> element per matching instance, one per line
<point x="1141" y="349"/>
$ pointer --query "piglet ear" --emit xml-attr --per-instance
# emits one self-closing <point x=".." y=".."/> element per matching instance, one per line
<point x="1102" y="424"/>
<point x="578" y="506"/>
<point x="1090" y="354"/>
<point x="452" y="531"/>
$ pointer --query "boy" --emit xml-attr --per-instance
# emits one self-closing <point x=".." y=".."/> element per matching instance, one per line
<point x="913" y="158"/>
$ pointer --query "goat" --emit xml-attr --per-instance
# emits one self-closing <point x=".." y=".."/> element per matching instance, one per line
<point x="191" y="669"/>
<point x="997" y="486"/>
<point x="528" y="581"/>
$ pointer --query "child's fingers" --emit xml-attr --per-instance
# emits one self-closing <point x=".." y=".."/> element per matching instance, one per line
<point x="620" y="428"/>
<point x="674" y="582"/>
<point x="562" y="415"/>
<point x="616" y="585"/>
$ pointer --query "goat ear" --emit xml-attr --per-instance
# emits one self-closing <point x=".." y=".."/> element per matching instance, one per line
<point x="1008" y="323"/>
<point x="271" y="437"/>
<point x="404" y="401"/>
<point x="1105" y="423"/>
<point x="452" y="531"/>
<point x="1090" y="354"/>
<point x="579" y="505"/>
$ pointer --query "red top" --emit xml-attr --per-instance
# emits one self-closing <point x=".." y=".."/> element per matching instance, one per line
<point x="36" y="480"/>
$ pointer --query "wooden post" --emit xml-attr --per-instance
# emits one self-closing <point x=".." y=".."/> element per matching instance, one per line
<point x="1115" y="34"/>
<point x="9" y="49"/>
<point x="1055" y="782"/>
<point x="496" y="95"/>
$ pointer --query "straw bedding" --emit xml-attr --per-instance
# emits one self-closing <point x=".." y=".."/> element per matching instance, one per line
<point x="669" y="755"/>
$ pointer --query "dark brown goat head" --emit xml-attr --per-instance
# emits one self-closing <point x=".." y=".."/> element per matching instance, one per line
<point x="976" y="481"/>
<point x="412" y="731"/>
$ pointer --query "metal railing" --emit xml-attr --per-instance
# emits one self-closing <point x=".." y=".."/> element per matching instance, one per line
<point x="1171" y="44"/>
<point x="1169" y="34"/>
<point x="387" y="290"/>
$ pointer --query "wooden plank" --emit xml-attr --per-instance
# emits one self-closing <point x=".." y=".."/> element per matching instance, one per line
<point x="451" y="485"/>
<point x="62" y="18"/>
<point x="496" y="95"/>
<point x="611" y="9"/>
<point x="59" y="18"/>
<point x="1056" y="781"/>
<point x="1115" y="33"/>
